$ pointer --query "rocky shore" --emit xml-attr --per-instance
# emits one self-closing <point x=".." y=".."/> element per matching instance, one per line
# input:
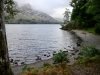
<point x="88" y="39"/>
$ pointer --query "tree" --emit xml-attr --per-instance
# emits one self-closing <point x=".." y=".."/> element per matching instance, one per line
<point x="79" y="14"/>
<point x="93" y="8"/>
<point x="5" y="68"/>
<point x="67" y="16"/>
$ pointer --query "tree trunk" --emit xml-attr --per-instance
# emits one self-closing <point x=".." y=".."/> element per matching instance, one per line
<point x="5" y="68"/>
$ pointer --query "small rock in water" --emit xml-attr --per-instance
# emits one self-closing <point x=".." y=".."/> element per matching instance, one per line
<point x="64" y="48"/>
<point x="65" y="51"/>
<point x="15" y="63"/>
<point x="38" y="58"/>
<point x="74" y="48"/>
<point x="23" y="63"/>
<point x="48" y="55"/>
<point x="69" y="46"/>
<point x="11" y="60"/>
<point x="54" y="52"/>
<point x="76" y="51"/>
<point x="78" y="44"/>
<point x="44" y="54"/>
<point x="80" y="53"/>
<point x="73" y="53"/>
<point x="48" y="52"/>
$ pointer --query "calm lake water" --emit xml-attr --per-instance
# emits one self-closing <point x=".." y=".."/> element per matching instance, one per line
<point x="27" y="41"/>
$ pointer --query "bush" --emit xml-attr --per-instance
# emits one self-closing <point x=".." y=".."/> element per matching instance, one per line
<point x="89" y="54"/>
<point x="46" y="65"/>
<point x="89" y="51"/>
<point x="60" y="57"/>
<point x="67" y="26"/>
<point x="52" y="70"/>
<point x="26" y="68"/>
<point x="97" y="28"/>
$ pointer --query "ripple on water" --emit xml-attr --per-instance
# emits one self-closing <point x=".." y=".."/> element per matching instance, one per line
<point x="26" y="42"/>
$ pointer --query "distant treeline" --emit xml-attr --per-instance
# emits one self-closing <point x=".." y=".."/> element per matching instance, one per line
<point x="33" y="21"/>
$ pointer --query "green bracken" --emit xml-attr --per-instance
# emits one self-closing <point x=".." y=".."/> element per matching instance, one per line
<point x="60" y="57"/>
<point x="89" y="55"/>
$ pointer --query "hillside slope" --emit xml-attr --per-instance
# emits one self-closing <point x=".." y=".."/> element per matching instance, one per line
<point x="27" y="14"/>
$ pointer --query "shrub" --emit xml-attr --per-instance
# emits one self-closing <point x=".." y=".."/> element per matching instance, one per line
<point x="89" y="54"/>
<point x="46" y="65"/>
<point x="52" y="70"/>
<point x="97" y="28"/>
<point x="89" y="51"/>
<point x="60" y="57"/>
<point x="26" y="68"/>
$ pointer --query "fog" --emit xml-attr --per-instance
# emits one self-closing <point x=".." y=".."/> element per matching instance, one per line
<point x="54" y="8"/>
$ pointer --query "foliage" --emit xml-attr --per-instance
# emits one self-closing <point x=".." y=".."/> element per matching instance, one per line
<point x="10" y="9"/>
<point x="46" y="65"/>
<point x="67" y="26"/>
<point x="66" y="16"/>
<point x="60" y="57"/>
<point x="66" y="19"/>
<point x="26" y="68"/>
<point x="79" y="14"/>
<point x="86" y="13"/>
<point x="90" y="30"/>
<point x="89" y="54"/>
<point x="90" y="51"/>
<point x="71" y="25"/>
<point x="97" y="28"/>
<point x="51" y="70"/>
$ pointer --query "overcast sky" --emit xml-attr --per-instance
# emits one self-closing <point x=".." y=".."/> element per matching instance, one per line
<point x="54" y="8"/>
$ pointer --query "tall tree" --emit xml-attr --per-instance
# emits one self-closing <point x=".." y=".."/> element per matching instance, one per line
<point x="5" y="68"/>
<point x="84" y="19"/>
<point x="94" y="9"/>
<point x="66" y="16"/>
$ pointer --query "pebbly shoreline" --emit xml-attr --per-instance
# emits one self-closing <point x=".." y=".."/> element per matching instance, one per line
<point x="87" y="39"/>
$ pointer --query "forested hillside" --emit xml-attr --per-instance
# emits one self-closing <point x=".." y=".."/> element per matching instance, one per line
<point x="27" y="15"/>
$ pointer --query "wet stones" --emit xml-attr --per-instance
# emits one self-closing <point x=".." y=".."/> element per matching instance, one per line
<point x="11" y="60"/>
<point x="48" y="55"/>
<point x="72" y="53"/>
<point x="69" y="46"/>
<point x="78" y="44"/>
<point x="44" y="54"/>
<point x="23" y="63"/>
<point x="65" y="51"/>
<point x="38" y="58"/>
<point x="15" y="63"/>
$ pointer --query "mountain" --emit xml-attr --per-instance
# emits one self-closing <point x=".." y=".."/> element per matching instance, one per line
<point x="27" y="14"/>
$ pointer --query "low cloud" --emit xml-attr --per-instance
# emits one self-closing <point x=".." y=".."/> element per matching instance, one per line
<point x="54" y="8"/>
<point x="58" y="13"/>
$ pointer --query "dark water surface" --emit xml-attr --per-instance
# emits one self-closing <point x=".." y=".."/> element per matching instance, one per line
<point x="27" y="41"/>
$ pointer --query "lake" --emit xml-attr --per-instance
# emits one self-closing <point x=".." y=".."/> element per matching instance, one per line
<point x="26" y="42"/>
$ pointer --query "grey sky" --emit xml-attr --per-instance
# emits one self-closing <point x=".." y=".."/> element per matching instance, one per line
<point x="54" y="8"/>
